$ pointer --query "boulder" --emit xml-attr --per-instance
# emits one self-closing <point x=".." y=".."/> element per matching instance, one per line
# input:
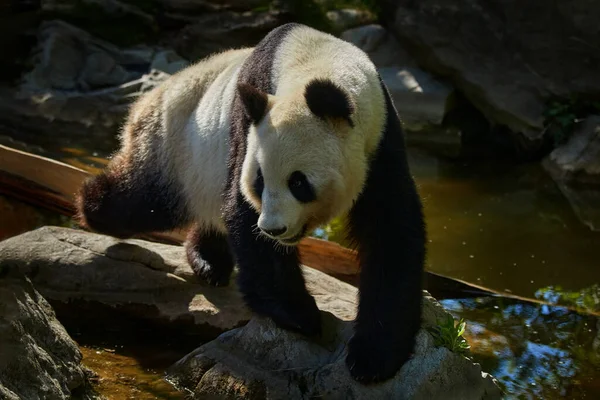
<point x="83" y="274"/>
<point x="508" y="57"/>
<point x="575" y="167"/>
<point x="261" y="361"/>
<point x="422" y="100"/>
<point x="38" y="359"/>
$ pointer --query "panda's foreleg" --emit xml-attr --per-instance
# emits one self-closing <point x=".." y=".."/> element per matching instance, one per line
<point x="387" y="224"/>
<point x="270" y="278"/>
<point x="209" y="255"/>
<point x="128" y="199"/>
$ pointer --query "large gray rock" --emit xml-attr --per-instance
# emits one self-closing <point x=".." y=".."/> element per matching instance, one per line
<point x="507" y="56"/>
<point x="149" y="281"/>
<point x="262" y="361"/>
<point x="422" y="100"/>
<point x="38" y="359"/>
<point x="82" y="85"/>
<point x="575" y="167"/>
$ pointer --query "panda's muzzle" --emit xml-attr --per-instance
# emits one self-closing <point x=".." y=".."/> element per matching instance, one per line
<point x="294" y="239"/>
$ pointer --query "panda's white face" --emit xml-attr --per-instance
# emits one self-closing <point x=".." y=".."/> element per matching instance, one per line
<point x="300" y="170"/>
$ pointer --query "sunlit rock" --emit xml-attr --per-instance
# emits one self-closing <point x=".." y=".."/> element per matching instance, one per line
<point x="421" y="99"/>
<point x="81" y="272"/>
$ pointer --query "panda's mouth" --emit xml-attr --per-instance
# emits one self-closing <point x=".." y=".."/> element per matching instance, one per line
<point x="294" y="240"/>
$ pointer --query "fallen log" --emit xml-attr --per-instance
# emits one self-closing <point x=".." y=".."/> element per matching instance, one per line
<point x="52" y="185"/>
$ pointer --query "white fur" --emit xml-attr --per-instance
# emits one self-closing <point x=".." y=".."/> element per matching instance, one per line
<point x="200" y="150"/>
<point x="331" y="154"/>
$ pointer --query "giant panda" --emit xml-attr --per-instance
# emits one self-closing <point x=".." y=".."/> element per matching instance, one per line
<point x="256" y="147"/>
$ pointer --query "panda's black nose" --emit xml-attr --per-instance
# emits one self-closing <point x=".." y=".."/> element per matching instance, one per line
<point x="276" y="231"/>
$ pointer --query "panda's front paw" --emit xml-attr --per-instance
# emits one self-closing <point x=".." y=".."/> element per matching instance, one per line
<point x="209" y="273"/>
<point x="374" y="359"/>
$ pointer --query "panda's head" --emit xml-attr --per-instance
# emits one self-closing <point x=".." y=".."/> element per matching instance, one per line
<point x="304" y="162"/>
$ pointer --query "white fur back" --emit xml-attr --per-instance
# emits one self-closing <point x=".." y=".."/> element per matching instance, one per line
<point x="200" y="150"/>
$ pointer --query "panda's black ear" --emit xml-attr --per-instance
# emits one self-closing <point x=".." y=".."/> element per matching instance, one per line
<point x="255" y="101"/>
<point x="325" y="99"/>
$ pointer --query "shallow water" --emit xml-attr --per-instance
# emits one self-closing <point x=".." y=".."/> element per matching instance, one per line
<point x="123" y="376"/>
<point x="496" y="225"/>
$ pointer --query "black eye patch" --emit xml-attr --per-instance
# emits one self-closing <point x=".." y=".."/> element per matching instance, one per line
<point x="301" y="188"/>
<point x="259" y="183"/>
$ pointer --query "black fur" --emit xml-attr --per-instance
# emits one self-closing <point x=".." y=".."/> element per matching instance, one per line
<point x="301" y="188"/>
<point x="270" y="280"/>
<point x="255" y="102"/>
<point x="209" y="255"/>
<point x="127" y="200"/>
<point x="326" y="100"/>
<point x="387" y="225"/>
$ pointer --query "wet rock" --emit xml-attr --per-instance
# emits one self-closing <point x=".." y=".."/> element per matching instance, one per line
<point x="422" y="101"/>
<point x="38" y="359"/>
<point x="575" y="167"/>
<point x="79" y="271"/>
<point x="262" y="361"/>
<point x="346" y="18"/>
<point x="508" y="57"/>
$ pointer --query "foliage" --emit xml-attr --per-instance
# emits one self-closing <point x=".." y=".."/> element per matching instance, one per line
<point x="449" y="334"/>
<point x="562" y="115"/>
<point x="586" y="299"/>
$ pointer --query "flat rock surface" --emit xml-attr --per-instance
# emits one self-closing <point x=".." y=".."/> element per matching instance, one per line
<point x="142" y="279"/>
<point x="38" y="359"/>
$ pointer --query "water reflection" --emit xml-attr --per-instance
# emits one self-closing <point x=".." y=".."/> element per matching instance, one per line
<point x="535" y="351"/>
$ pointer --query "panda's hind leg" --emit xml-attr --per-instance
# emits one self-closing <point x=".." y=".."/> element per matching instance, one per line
<point x="209" y="255"/>
<point x="123" y="201"/>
